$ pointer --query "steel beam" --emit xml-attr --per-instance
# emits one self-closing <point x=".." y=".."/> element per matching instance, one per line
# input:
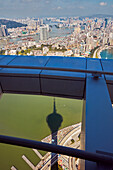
<point x="95" y="157"/>
<point x="98" y="119"/>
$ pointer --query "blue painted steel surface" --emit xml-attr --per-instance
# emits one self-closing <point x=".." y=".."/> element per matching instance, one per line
<point x="45" y="82"/>
<point x="60" y="83"/>
<point x="108" y="66"/>
<point x="98" y="119"/>
<point x="30" y="61"/>
<point x="21" y="80"/>
<point x="6" y="60"/>
<point x="20" y="72"/>
<point x="24" y="61"/>
<point x="65" y="62"/>
<point x="94" y="64"/>
<point x="98" y="113"/>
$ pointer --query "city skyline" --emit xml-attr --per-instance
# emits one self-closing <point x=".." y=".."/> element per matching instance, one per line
<point x="43" y="8"/>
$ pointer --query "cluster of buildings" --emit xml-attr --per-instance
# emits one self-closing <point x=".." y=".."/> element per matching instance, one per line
<point x="87" y="34"/>
<point x="91" y="33"/>
<point x="34" y="27"/>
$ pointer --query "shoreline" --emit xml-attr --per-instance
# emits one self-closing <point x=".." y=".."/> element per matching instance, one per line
<point x="100" y="49"/>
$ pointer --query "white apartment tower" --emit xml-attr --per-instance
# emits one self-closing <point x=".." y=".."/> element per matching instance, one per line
<point x="3" y="31"/>
<point x="44" y="33"/>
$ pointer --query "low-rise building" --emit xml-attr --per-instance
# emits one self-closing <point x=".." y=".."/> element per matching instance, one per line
<point x="12" y="52"/>
<point x="45" y="50"/>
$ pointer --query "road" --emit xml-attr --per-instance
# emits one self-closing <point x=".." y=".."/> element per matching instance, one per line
<point x="65" y="142"/>
<point x="65" y="137"/>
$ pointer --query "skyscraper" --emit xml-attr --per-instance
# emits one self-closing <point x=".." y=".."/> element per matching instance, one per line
<point x="111" y="38"/>
<point x="3" y="31"/>
<point x="41" y="22"/>
<point x="106" y="22"/>
<point x="43" y="33"/>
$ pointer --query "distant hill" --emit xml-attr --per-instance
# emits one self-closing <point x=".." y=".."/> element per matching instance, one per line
<point x="11" y="24"/>
<point x="102" y="16"/>
<point x="98" y="16"/>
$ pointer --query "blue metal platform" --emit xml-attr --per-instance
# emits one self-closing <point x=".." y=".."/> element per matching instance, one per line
<point x="47" y="82"/>
<point x="37" y="75"/>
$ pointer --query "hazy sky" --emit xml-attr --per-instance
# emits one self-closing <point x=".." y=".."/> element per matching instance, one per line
<point x="40" y="8"/>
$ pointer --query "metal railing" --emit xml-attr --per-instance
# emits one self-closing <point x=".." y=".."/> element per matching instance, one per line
<point x="95" y="157"/>
<point x="58" y="69"/>
<point x="95" y="74"/>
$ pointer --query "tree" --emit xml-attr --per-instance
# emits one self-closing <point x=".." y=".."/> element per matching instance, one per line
<point x="22" y="51"/>
<point x="72" y="141"/>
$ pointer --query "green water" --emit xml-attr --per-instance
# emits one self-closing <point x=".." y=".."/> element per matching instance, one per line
<point x="25" y="116"/>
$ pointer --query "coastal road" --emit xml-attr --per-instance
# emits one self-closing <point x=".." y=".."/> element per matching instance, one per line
<point x="73" y="134"/>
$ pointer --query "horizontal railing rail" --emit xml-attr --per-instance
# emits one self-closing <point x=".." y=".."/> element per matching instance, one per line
<point x="58" y="69"/>
<point x="95" y="157"/>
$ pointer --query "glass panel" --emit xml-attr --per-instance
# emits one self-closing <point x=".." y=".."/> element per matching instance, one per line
<point x="36" y="117"/>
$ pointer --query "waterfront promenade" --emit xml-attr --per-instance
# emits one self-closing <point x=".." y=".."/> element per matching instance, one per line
<point x="97" y="52"/>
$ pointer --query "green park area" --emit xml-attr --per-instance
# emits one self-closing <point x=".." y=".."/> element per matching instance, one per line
<point x="25" y="116"/>
<point x="33" y="48"/>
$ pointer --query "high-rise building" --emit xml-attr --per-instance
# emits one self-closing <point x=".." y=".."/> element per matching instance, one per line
<point x="111" y="38"/>
<point x="41" y="22"/>
<point x="43" y="33"/>
<point x="3" y="31"/>
<point x="106" y="22"/>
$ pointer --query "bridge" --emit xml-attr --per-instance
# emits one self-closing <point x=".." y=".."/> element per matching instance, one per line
<point x="86" y="79"/>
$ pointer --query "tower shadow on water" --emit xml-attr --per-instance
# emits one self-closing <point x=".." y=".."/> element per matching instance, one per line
<point x="54" y="121"/>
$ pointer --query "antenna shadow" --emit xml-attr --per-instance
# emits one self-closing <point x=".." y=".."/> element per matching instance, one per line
<point x="54" y="121"/>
